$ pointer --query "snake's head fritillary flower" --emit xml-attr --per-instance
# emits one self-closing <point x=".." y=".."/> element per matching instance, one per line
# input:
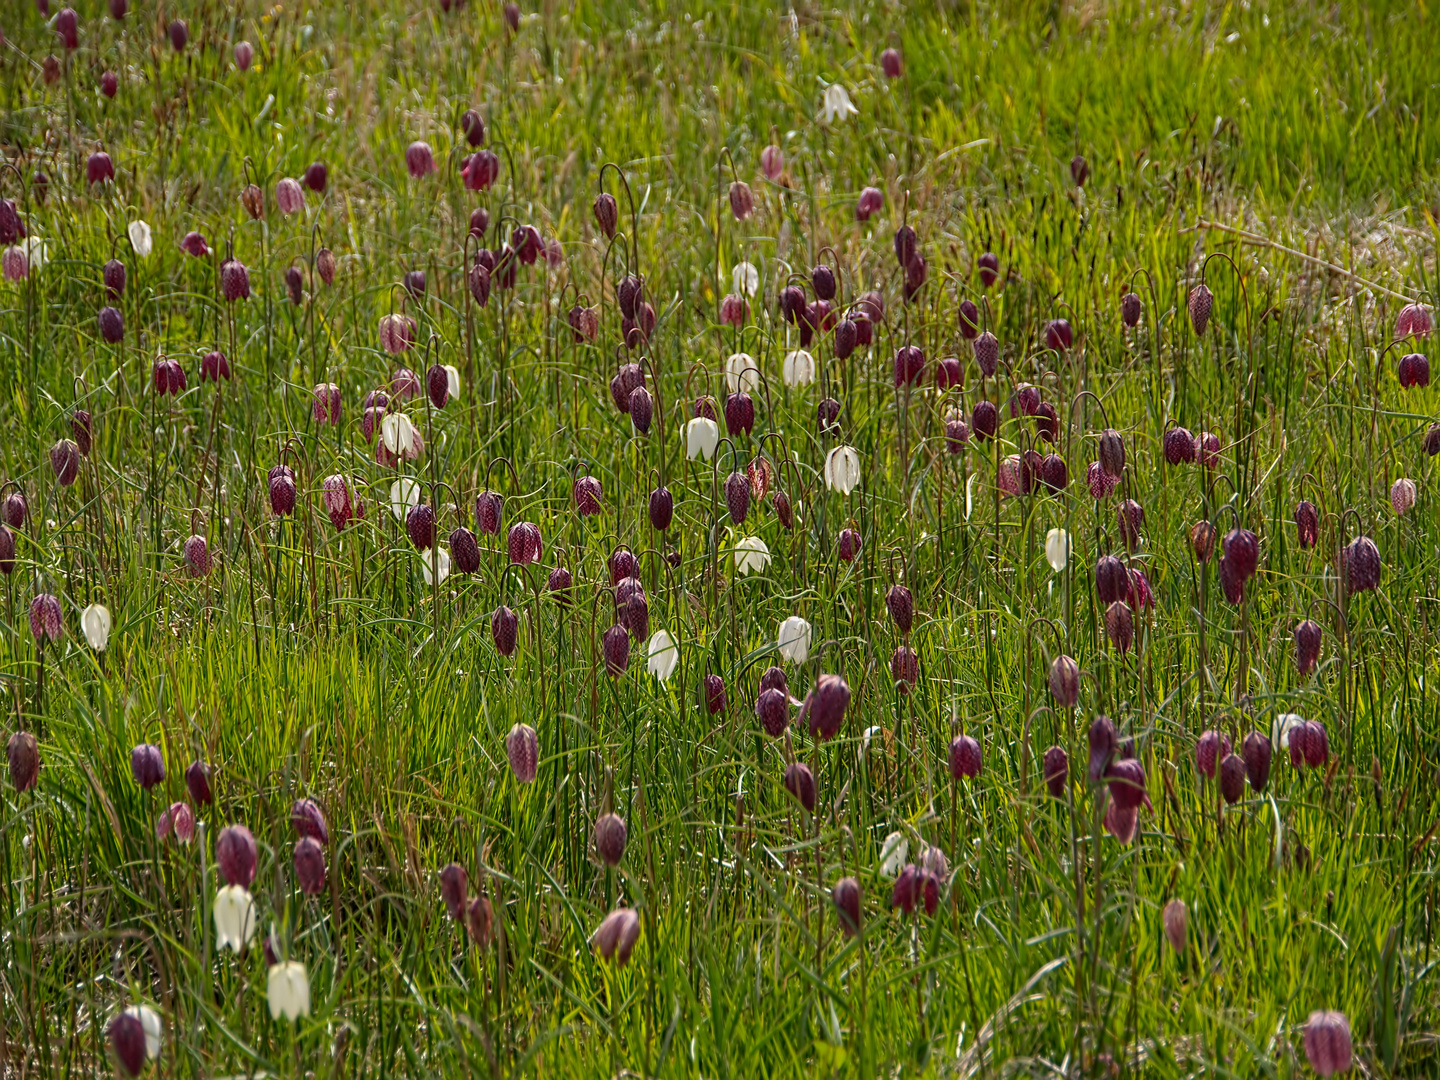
<point x="47" y="623"/>
<point x="846" y="896"/>
<point x="1307" y="524"/>
<point x="419" y="159"/>
<point x="616" y="936"/>
<point x="24" y="759"/>
<point x="1327" y="1042"/>
<point x="235" y="855"/>
<point x="1201" y="303"/>
<point x="1173" y="919"/>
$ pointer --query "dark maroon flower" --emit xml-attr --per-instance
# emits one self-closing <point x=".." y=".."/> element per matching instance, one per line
<point x="454" y="885"/>
<point x="1056" y="765"/>
<point x="964" y="758"/>
<point x="7" y="551"/>
<point x="1256" y="752"/>
<point x="827" y="414"/>
<point x="1112" y="580"/>
<point x="523" y="543"/>
<point x="904" y="245"/>
<point x="641" y="410"/>
<point x="662" y="509"/>
<point x="985" y="420"/>
<point x="24" y="758"/>
<point x="522" y="747"/>
<point x="847" y="336"/>
<point x="739" y="413"/>
<point x="1413" y="321"/>
<point x="607" y="213"/>
<point x="1242" y="549"/>
<point x="904" y="668"/>
<point x="197" y="556"/>
<point x="987" y="353"/>
<point x="109" y="83"/>
<point x="1065" y="681"/>
<point x="742" y="200"/>
<point x="917" y="270"/>
<point x="1130" y="309"/>
<point x="1058" y="335"/>
<point x="214" y="367"/>
<point x="235" y="855"/>
<point x="65" y="461"/>
<point x="14" y="509"/>
<point x="234" y="280"/>
<point x="1207" y="447"/>
<point x="800" y="783"/>
<point x="325" y="265"/>
<point x="909" y="365"/>
<point x="12" y="226"/>
<point x="420" y="526"/>
<point x="906" y="893"/>
<point x="99" y="168"/>
<point x="80" y="427"/>
<point x="792" y="303"/>
<point x="615" y="644"/>
<point x="588" y="496"/>
<point x="901" y="605"/>
<point x="127" y="1040"/>
<point x="1232" y="778"/>
<point x="1307" y="524"/>
<point x="1130" y="517"/>
<point x="419" y="159"/>
<point x="558" y="585"/>
<point x="504" y="630"/>
<point x="849" y="544"/>
<point x="1209" y="749"/>
<point x="464" y="551"/>
<point x="826" y="704"/>
<point x="773" y="678"/>
<point x="197" y="781"/>
<point x="1047" y="421"/>
<point x="870" y="202"/>
<point x="1361" y="563"/>
<point x="988" y="267"/>
<point x="282" y="495"/>
<point x="1315" y="744"/>
<point x="846" y="898"/>
<point x="891" y="63"/>
<point x="179" y="35"/>
<point x="1308" y="636"/>
<point x="67" y="26"/>
<point x="1201" y="303"/>
<point x="1102" y="740"/>
<point x="309" y="862"/>
<point x="772" y="708"/>
<point x="1120" y="626"/>
<point x="610" y="835"/>
<point x="147" y="765"/>
<point x="1413" y="370"/>
<point x="1179" y="446"/>
<point x="715" y="699"/>
<point x="1126" y="779"/>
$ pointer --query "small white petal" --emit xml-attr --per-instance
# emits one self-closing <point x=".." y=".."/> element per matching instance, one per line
<point x="837" y="104"/>
<point x="893" y="853"/>
<point x="1057" y="549"/>
<point x="234" y="914"/>
<point x="150" y="1021"/>
<point x="404" y="496"/>
<point x="746" y="278"/>
<point x="398" y="433"/>
<point x="288" y="990"/>
<point x="452" y="379"/>
<point x="95" y="621"/>
<point x="752" y="555"/>
<point x="442" y="565"/>
<point x="842" y="469"/>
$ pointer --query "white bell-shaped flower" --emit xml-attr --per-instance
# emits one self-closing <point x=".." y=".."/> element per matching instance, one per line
<point x="746" y="278"/>
<point x="836" y="105"/>
<point x="752" y="555"/>
<point x="452" y="379"/>
<point x="397" y="432"/>
<point x="842" y="469"/>
<point x="37" y="253"/>
<point x="234" y="912"/>
<point x="793" y="640"/>
<point x="662" y="655"/>
<point x="1057" y="549"/>
<point x="893" y="852"/>
<point x="95" y="621"/>
<point x="441" y="567"/>
<point x="404" y="496"/>
<point x="702" y="436"/>
<point x="288" y="990"/>
<point x="1285" y="723"/>
<point x="150" y="1021"/>
<point x="798" y="369"/>
<point x="140" y="238"/>
<point x="742" y="373"/>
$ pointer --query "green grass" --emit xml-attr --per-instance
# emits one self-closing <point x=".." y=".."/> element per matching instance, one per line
<point x="311" y="662"/>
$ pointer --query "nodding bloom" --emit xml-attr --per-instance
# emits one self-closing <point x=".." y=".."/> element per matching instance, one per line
<point x="742" y="200"/>
<point x="1360" y="560"/>
<point x="397" y="333"/>
<point x="1256" y="753"/>
<point x="842" y="469"/>
<point x="194" y="244"/>
<point x="24" y="759"/>
<point x="454" y="885"/>
<point x="610" y="835"/>
<point x="1413" y="370"/>
<point x="147" y="765"/>
<point x="12" y="225"/>
<point x="325" y="407"/>
<point x="607" y="213"/>
<point x="288" y="196"/>
<point x="1232" y="778"/>
<point x="505" y="630"/>
<point x="342" y="507"/>
<point x="1058" y="335"/>
<point x="308" y="819"/>
<point x="964" y="757"/>
<point x="480" y="921"/>
<point x="558" y="585"/>
<point x="1201" y="303"/>
<point x="1056" y="764"/>
<point x="234" y="280"/>
<point x="742" y="373"/>
<point x="419" y="159"/>
<point x="99" y="168"/>
<point x="1210" y="748"/>
<point x="1103" y="741"/>
<point x="214" y="367"/>
<point x="127" y="1040"/>
<point x="891" y="64"/>
<point x="904" y="668"/>
<point x="179" y="35"/>
<point x="1130" y="517"/>
<point x="95" y="622"/>
<point x="1179" y="446"/>
<point x="522" y="746"/>
<point x="825" y="705"/>
<point x="14" y="509"/>
<point x="1402" y="496"/>
<point x="235" y="917"/>
<point x="197" y="782"/>
<point x="524" y="543"/>
<point x="846" y="897"/>
<point x="1120" y="626"/>
<point x="1413" y="321"/>
<point x="67" y="25"/>
<point x="16" y="264"/>
<point x="793" y="640"/>
<point x="615" y="938"/>
<point x="752" y="555"/>
<point x="1308" y="636"/>
<point x="244" y="55"/>
<point x="65" y="462"/>
<point x="287" y="989"/>
<point x="798" y="368"/>
<point x="46" y="621"/>
<point x="800" y="783"/>
<point x="309" y="861"/>
<point x="178" y="819"/>
<point x="772" y="708"/>
<point x="1327" y="1042"/>
<point x="197" y="556"/>
<point x="1065" y="681"/>
<point x="588" y="496"/>
<point x="1130" y="309"/>
<point x="715" y="699"/>
<point x="1079" y="170"/>
<point x="836" y="105"/>
<point x="1173" y="918"/>
<point x="235" y="855"/>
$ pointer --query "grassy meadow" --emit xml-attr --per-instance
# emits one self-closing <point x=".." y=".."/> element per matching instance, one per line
<point x="163" y="603"/>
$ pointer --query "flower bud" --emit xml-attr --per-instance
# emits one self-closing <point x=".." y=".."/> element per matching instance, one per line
<point x="615" y="644"/>
<point x="870" y="202"/>
<point x="325" y="265"/>
<point x="24" y="757"/>
<point x="7" y="550"/>
<point x="641" y="409"/>
<point x="901" y="605"/>
<point x="235" y="855"/>
<point x="179" y="35"/>
<point x="847" y="899"/>
<point x="909" y="365"/>
<point x="822" y="280"/>
<point x="109" y="83"/>
<point x="253" y="199"/>
<point x="1211" y="746"/>
<point x="1201" y="302"/>
<point x="848" y="545"/>
<point x="1102" y="742"/>
<point x="197" y="556"/>
<point x="1130" y="516"/>
<point x="1232" y="779"/>
<point x="112" y="325"/>
<point x="522" y="746"/>
<point x="67" y="26"/>
<point x="309" y="866"/>
<point x="1130" y="309"/>
<point x="197" y="782"/>
<point x="127" y="1040"/>
<point x="964" y="758"/>
<point x="1126" y="779"/>
<point x="1256" y="752"/>
<point x="1120" y="626"/>
<point x="662" y="509"/>
<point x="906" y="893"/>
<point x="610" y="837"/>
<point x="904" y="668"/>
<point x="1079" y="170"/>
<point x="505" y="630"/>
<point x="1308" y="636"/>
<point x="1307" y="524"/>
<point x="1058" y="335"/>
<point x="480" y="921"/>
<point x="1112" y="453"/>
